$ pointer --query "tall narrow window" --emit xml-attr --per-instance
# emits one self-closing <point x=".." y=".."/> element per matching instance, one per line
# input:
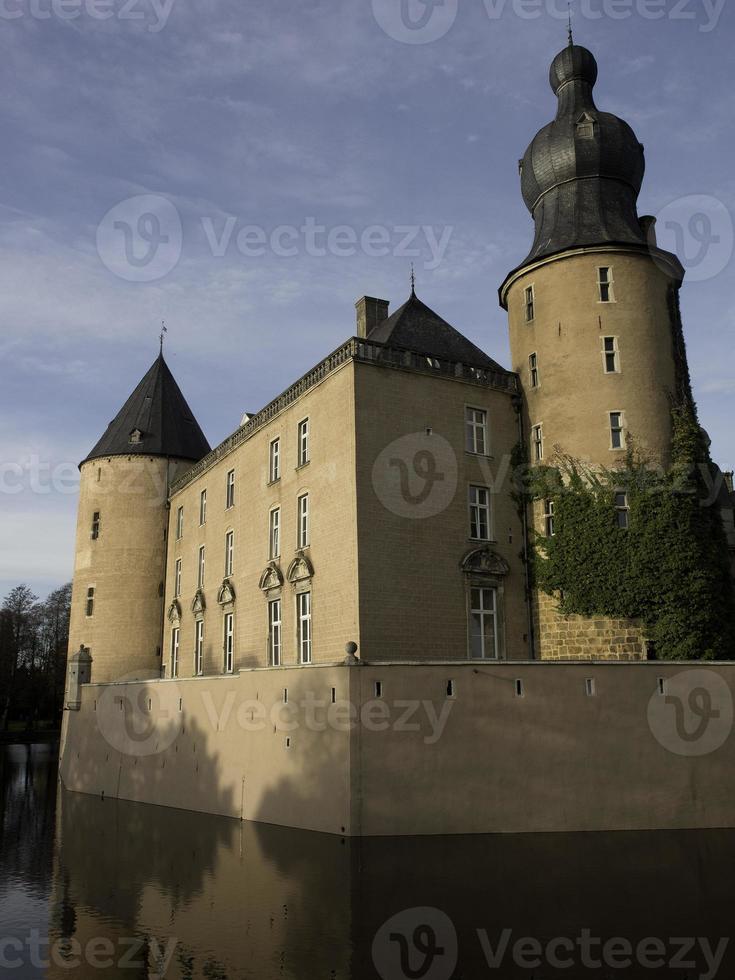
<point x="203" y="507"/>
<point x="621" y="508"/>
<point x="95" y="533"/>
<point x="549" y="518"/>
<point x="605" y="284"/>
<point x="177" y="578"/>
<point x="174" y="666"/>
<point x="179" y="523"/>
<point x="610" y="357"/>
<point x="229" y="642"/>
<point x="90" y="601"/>
<point x="274" y="633"/>
<point x="529" y="303"/>
<point x="199" y="647"/>
<point x="229" y="553"/>
<point x="230" y="490"/>
<point x="483" y="624"/>
<point x="303" y="623"/>
<point x="274" y="461"/>
<point x="480" y="513"/>
<point x="533" y="370"/>
<point x="200" y="576"/>
<point x="274" y="534"/>
<point x="303" y="521"/>
<point x="303" y="442"/>
<point x="476" y="431"/>
<point x="617" y="431"/>
<point x="537" y="443"/>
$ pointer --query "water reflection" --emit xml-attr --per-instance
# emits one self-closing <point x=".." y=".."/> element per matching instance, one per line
<point x="143" y="891"/>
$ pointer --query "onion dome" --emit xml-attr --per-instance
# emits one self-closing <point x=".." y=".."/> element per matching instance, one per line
<point x="581" y="175"/>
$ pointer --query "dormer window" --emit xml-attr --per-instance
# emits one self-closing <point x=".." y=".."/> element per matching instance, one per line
<point x="136" y="436"/>
<point x="585" y="127"/>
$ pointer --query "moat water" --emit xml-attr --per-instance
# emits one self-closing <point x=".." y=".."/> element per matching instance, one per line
<point x="92" y="888"/>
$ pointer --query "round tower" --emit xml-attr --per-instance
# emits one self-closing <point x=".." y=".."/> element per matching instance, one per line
<point x="593" y="309"/>
<point x="119" y="570"/>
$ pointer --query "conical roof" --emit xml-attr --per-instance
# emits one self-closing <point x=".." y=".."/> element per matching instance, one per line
<point x="154" y="421"/>
<point x="417" y="327"/>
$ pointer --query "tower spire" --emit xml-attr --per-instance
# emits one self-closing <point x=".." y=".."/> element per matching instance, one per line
<point x="569" y="29"/>
<point x="413" y="281"/>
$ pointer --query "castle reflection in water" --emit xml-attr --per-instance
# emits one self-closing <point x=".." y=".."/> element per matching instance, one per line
<point x="215" y="898"/>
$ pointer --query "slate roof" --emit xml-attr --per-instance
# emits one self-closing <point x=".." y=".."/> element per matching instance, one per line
<point x="158" y="412"/>
<point x="417" y="327"/>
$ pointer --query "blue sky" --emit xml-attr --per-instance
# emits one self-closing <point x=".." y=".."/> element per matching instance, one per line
<point x="219" y="117"/>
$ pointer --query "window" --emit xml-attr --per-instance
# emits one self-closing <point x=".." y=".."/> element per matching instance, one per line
<point x="549" y="518"/>
<point x="533" y="369"/>
<point x="589" y="687"/>
<point x="476" y="430"/>
<point x="483" y="624"/>
<point x="203" y="507"/>
<point x="274" y="633"/>
<point x="175" y="634"/>
<point x="303" y="440"/>
<point x="274" y="461"/>
<point x="199" y="647"/>
<point x="529" y="303"/>
<point x="274" y="535"/>
<point x="177" y="578"/>
<point x="480" y="513"/>
<point x="230" y="491"/>
<point x="90" y="601"/>
<point x="303" y="521"/>
<point x="617" y="431"/>
<point x="95" y="525"/>
<point x="610" y="357"/>
<point x="605" y="284"/>
<point x="621" y="508"/>
<point x="303" y="622"/>
<point x="229" y="642"/>
<point x="537" y="442"/>
<point x="200" y="577"/>
<point x="179" y="523"/>
<point x="229" y="553"/>
<point x="585" y="127"/>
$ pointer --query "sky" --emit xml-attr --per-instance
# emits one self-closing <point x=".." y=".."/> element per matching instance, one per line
<point x="244" y="171"/>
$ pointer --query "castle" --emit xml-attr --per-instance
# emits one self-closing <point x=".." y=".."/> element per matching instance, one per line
<point x="298" y="534"/>
<point x="368" y="509"/>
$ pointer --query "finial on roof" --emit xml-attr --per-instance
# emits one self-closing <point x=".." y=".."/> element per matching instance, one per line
<point x="413" y="281"/>
<point x="571" y="36"/>
<point x="164" y="330"/>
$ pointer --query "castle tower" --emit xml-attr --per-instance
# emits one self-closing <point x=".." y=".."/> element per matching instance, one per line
<point x="595" y="330"/>
<point x="119" y="571"/>
<point x="593" y="309"/>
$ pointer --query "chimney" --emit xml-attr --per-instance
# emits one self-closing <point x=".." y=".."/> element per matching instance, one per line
<point x="648" y="227"/>
<point x="370" y="312"/>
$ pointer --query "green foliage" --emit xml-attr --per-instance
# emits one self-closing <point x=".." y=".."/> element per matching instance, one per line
<point x="669" y="568"/>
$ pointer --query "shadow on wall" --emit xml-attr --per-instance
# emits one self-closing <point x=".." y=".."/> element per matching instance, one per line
<point x="319" y="762"/>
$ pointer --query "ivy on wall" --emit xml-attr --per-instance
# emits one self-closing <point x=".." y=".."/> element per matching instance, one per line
<point x="670" y="566"/>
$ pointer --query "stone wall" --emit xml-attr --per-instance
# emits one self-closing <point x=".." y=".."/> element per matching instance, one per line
<point x="398" y="749"/>
<point x="562" y="637"/>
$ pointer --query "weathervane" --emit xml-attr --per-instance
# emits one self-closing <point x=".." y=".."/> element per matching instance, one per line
<point x="164" y="330"/>
<point x="571" y="37"/>
<point x="413" y="281"/>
